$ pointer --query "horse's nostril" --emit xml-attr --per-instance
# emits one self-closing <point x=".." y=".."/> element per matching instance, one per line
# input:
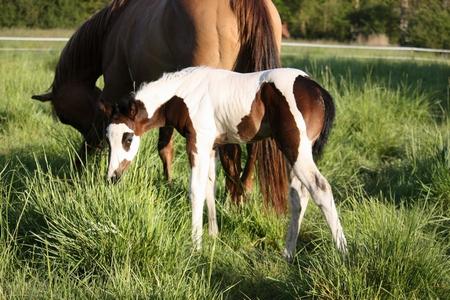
<point x="114" y="178"/>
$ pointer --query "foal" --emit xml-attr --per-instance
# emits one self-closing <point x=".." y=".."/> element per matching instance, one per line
<point x="210" y="107"/>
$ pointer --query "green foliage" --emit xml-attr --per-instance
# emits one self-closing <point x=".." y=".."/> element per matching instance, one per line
<point x="430" y="26"/>
<point x="375" y="18"/>
<point x="346" y="20"/>
<point x="47" y="13"/>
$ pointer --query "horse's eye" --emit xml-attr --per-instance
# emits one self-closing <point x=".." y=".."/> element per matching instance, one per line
<point x="127" y="138"/>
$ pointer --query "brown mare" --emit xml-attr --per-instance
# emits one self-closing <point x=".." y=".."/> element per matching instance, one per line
<point x="135" y="41"/>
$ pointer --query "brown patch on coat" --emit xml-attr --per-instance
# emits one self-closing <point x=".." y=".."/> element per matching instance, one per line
<point x="320" y="182"/>
<point x="309" y="101"/>
<point x="250" y="125"/>
<point x="124" y="164"/>
<point x="282" y="122"/>
<point x="175" y="113"/>
<point x="136" y="117"/>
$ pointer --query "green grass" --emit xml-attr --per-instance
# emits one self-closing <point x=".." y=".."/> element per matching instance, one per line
<point x="65" y="234"/>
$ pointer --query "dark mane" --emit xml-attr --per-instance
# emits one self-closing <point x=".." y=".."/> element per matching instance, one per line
<point x="81" y="57"/>
<point x="116" y="4"/>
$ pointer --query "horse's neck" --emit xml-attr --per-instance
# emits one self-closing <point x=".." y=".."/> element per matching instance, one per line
<point x="81" y="59"/>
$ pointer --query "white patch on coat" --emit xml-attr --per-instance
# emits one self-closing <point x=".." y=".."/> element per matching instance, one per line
<point x="114" y="134"/>
<point x="216" y="99"/>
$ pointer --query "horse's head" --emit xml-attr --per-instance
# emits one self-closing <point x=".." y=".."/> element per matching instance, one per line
<point x="128" y="122"/>
<point x="75" y="104"/>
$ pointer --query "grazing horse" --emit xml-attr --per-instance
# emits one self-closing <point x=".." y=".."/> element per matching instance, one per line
<point x="134" y="41"/>
<point x="210" y="107"/>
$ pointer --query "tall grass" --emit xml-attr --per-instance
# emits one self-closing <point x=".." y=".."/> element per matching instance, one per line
<point x="69" y="234"/>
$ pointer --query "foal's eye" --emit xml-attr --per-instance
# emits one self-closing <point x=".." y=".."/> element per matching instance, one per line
<point x="127" y="138"/>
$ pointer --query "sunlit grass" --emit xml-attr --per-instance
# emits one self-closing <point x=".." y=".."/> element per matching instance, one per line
<point x="65" y="234"/>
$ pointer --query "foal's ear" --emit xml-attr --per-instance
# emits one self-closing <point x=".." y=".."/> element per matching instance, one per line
<point x="132" y="109"/>
<point x="43" y="97"/>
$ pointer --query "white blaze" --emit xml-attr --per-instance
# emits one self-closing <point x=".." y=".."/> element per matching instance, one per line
<point x="115" y="133"/>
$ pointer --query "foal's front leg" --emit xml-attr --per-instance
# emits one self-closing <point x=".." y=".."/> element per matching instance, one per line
<point x="200" y="161"/>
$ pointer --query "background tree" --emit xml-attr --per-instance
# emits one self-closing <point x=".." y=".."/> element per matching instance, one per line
<point x="424" y="23"/>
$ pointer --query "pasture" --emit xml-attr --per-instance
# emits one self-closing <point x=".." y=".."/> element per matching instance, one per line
<point x="65" y="234"/>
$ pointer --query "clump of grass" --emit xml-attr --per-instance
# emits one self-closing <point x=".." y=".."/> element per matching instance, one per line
<point x="393" y="254"/>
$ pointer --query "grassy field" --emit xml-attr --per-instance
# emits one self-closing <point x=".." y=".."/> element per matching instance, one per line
<point x="65" y="234"/>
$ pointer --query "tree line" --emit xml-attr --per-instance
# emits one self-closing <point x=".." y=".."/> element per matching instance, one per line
<point x="422" y="23"/>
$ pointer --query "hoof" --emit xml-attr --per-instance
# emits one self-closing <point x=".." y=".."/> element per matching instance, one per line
<point x="288" y="256"/>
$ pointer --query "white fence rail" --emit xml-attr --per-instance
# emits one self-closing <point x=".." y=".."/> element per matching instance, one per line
<point x="32" y="39"/>
<point x="289" y="44"/>
<point x="383" y="48"/>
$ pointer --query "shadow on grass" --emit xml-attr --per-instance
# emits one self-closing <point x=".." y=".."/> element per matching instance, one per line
<point x="21" y="168"/>
<point x="405" y="182"/>
<point x="254" y="281"/>
<point x="410" y="77"/>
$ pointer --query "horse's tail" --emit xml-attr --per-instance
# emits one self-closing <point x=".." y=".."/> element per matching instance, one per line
<point x="258" y="47"/>
<point x="330" y="112"/>
<point x="259" y="51"/>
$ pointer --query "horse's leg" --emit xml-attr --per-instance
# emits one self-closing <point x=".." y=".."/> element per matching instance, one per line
<point x="199" y="177"/>
<point x="210" y="195"/>
<point x="298" y="198"/>
<point x="306" y="171"/>
<point x="230" y="157"/>
<point x="165" y="148"/>
<point x="249" y="168"/>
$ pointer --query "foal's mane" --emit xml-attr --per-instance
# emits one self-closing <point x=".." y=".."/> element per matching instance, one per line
<point x="169" y="78"/>
<point x="82" y="55"/>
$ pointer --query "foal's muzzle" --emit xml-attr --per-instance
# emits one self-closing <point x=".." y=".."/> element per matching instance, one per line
<point x="115" y="177"/>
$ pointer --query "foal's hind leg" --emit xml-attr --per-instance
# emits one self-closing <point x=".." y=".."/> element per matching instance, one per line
<point x="230" y="157"/>
<point x="298" y="198"/>
<point x="306" y="171"/>
<point x="165" y="148"/>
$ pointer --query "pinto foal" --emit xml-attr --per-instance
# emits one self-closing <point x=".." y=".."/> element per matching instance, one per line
<point x="211" y="106"/>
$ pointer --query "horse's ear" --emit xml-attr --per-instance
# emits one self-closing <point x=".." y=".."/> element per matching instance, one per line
<point x="43" y="97"/>
<point x="127" y="106"/>
<point x="105" y="107"/>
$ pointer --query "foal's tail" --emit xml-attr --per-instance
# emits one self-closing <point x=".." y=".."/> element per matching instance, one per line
<point x="260" y="50"/>
<point x="330" y="112"/>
